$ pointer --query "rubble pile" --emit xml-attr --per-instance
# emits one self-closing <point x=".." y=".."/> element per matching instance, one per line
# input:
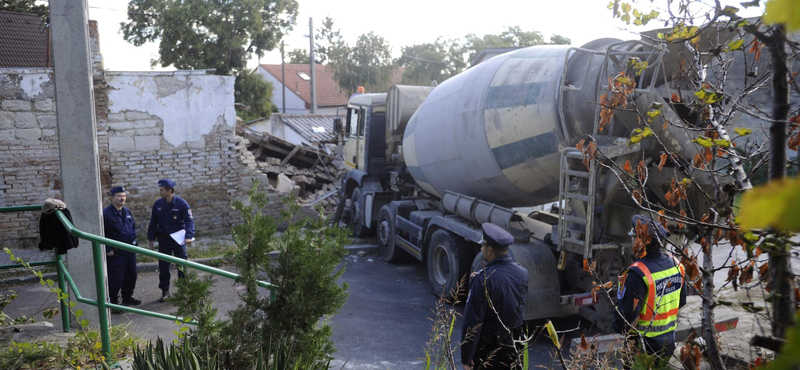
<point x="313" y="173"/>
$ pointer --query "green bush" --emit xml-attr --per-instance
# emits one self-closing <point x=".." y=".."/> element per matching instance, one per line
<point x="285" y="323"/>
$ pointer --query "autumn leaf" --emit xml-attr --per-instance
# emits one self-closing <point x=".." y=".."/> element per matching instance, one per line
<point x="733" y="274"/>
<point x="627" y="167"/>
<point x="785" y="12"/>
<point x="579" y="146"/>
<point x="763" y="272"/>
<point x="776" y="205"/>
<point x="642" y="170"/>
<point x="698" y="285"/>
<point x="661" y="219"/>
<point x="584" y="343"/>
<point x="704" y="141"/>
<point x="756" y="49"/>
<point x="586" y="162"/>
<point x="663" y="161"/>
<point x="735" y="45"/>
<point x="691" y="269"/>
<point x="741" y="131"/>
<point x="676" y="98"/>
<point x="747" y="274"/>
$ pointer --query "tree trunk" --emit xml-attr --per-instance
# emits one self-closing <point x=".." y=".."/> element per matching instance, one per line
<point x="781" y="275"/>
<point x="709" y="331"/>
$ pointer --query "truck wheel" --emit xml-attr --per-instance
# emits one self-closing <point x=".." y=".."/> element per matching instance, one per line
<point x="357" y="214"/>
<point x="449" y="259"/>
<point x="386" y="246"/>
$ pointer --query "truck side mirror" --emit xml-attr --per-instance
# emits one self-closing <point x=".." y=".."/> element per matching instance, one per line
<point x="337" y="125"/>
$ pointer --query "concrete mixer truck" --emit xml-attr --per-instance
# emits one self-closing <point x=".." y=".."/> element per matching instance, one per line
<point x="428" y="165"/>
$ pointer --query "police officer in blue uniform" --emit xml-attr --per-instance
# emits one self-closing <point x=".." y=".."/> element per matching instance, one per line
<point x="495" y="309"/>
<point x="170" y="214"/>
<point x="633" y="317"/>
<point x="119" y="225"/>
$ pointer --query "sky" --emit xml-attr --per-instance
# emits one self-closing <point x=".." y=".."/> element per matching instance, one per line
<point x="404" y="23"/>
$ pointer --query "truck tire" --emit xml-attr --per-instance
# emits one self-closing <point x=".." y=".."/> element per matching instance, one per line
<point x="449" y="259"/>
<point x="386" y="246"/>
<point x="357" y="214"/>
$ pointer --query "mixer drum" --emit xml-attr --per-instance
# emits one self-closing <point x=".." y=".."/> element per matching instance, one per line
<point x="492" y="132"/>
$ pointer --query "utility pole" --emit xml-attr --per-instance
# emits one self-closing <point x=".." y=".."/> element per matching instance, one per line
<point x="311" y="63"/>
<point x="283" y="80"/>
<point x="77" y="143"/>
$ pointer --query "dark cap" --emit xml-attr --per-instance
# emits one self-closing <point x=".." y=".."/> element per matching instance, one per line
<point x="496" y="236"/>
<point x="167" y="183"/>
<point x="117" y="189"/>
<point x="650" y="224"/>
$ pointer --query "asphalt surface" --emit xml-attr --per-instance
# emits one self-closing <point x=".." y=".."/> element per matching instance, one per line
<point x="385" y="323"/>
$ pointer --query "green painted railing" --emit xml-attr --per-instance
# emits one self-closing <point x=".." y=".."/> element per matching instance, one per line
<point x="97" y="257"/>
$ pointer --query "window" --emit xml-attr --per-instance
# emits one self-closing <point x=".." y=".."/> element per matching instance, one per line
<point x="352" y="121"/>
<point x="361" y="125"/>
<point x="304" y="76"/>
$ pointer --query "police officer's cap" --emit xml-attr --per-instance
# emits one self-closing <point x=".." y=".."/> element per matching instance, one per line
<point x="117" y="189"/>
<point x="496" y="236"/>
<point x="644" y="220"/>
<point x="167" y="183"/>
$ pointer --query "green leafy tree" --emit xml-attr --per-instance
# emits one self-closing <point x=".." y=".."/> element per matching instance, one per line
<point x="299" y="56"/>
<point x="429" y="62"/>
<point x="306" y="277"/>
<point x="199" y="34"/>
<point x="25" y="6"/>
<point x="251" y="90"/>
<point x="327" y="37"/>
<point x="368" y="63"/>
<point x="512" y="37"/>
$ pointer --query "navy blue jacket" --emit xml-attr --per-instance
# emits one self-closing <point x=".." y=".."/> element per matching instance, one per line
<point x="507" y="285"/>
<point x="636" y="288"/>
<point x="168" y="218"/>
<point x="120" y="226"/>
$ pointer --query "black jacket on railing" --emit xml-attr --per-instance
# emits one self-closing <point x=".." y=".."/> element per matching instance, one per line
<point x="54" y="235"/>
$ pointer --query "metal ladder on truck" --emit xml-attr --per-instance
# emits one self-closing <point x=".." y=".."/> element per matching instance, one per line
<point x="567" y="241"/>
<point x="583" y="242"/>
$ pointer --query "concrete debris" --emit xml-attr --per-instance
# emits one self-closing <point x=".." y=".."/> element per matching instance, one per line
<point x="285" y="185"/>
<point x="312" y="173"/>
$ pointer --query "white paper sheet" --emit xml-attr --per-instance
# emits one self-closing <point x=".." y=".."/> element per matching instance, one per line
<point x="179" y="236"/>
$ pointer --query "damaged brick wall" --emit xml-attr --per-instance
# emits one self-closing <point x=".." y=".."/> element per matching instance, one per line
<point x="28" y="151"/>
<point x="150" y="125"/>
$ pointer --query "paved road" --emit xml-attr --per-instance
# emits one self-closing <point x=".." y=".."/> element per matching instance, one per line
<point x="385" y="323"/>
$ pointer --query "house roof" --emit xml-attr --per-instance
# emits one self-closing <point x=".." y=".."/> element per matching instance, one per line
<point x="328" y="92"/>
<point x="304" y="124"/>
<point x="23" y="41"/>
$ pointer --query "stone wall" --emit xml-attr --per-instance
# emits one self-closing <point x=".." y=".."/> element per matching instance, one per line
<point x="151" y="125"/>
<point x="28" y="150"/>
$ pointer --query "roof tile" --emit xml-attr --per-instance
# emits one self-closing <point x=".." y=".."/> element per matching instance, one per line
<point x="328" y="92"/>
<point x="23" y="41"/>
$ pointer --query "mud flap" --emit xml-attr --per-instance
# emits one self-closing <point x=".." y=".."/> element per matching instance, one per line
<point x="544" y="288"/>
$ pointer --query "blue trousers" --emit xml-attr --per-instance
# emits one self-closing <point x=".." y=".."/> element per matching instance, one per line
<point x="121" y="274"/>
<point x="167" y="245"/>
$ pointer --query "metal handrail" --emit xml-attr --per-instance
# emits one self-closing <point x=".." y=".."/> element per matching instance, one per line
<point x="97" y="254"/>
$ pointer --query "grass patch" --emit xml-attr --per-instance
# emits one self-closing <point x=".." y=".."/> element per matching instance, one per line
<point x="43" y="355"/>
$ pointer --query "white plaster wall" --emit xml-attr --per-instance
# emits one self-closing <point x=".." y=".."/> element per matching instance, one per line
<point x="294" y="104"/>
<point x="189" y="104"/>
<point x="31" y="83"/>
